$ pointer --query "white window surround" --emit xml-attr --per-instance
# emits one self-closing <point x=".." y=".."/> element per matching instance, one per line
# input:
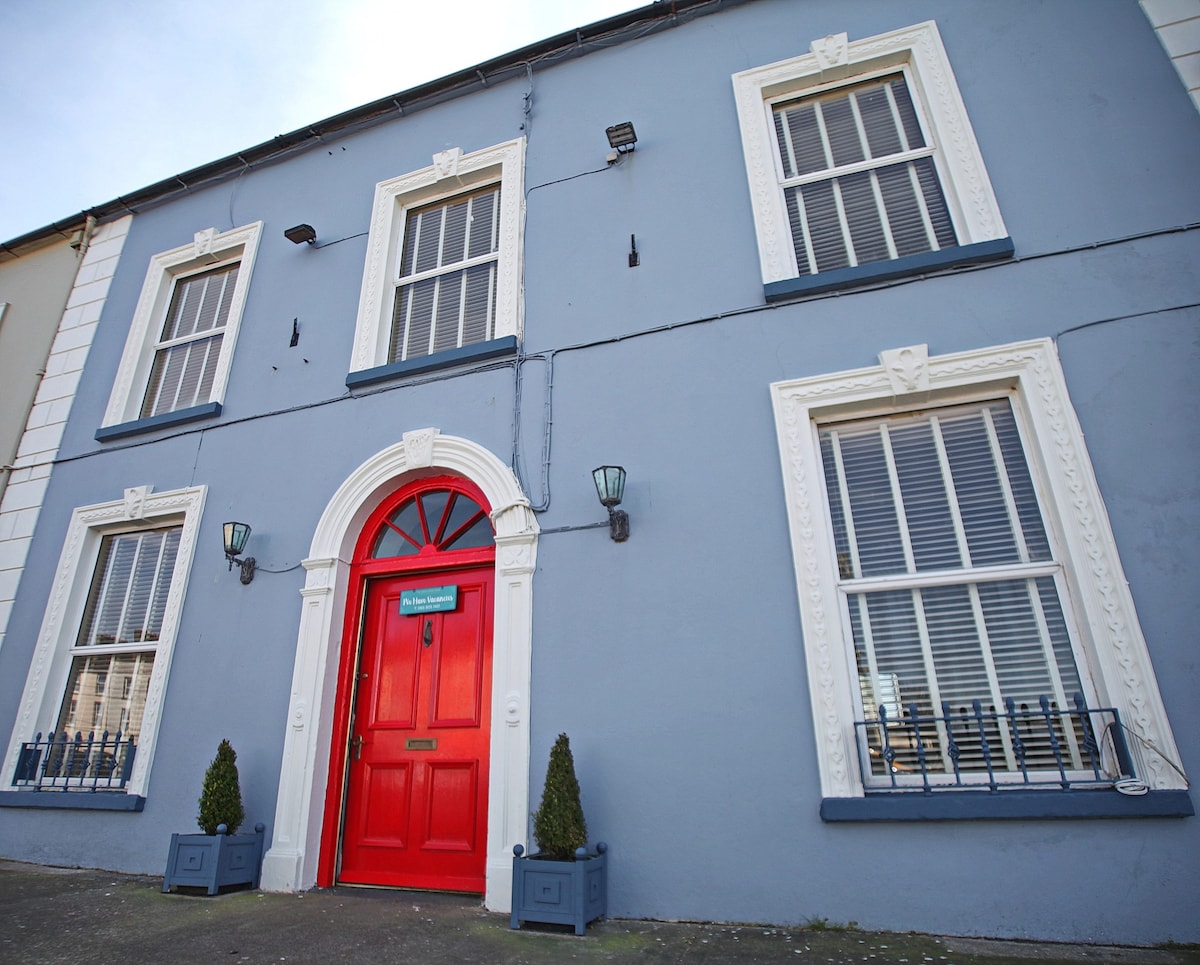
<point x="139" y="509"/>
<point x="209" y="249"/>
<point x="451" y="173"/>
<point x="291" y="862"/>
<point x="834" y="62"/>
<point x="1102" y="606"/>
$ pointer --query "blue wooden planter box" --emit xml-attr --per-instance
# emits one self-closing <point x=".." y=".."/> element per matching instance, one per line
<point x="213" y="861"/>
<point x="560" y="892"/>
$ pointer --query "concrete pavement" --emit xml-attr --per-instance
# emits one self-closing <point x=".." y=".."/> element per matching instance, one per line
<point x="54" y="916"/>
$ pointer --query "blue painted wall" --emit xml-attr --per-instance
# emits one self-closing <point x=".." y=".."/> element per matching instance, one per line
<point x="689" y="715"/>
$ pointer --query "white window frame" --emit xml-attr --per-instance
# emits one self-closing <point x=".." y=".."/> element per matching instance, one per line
<point x="50" y="667"/>
<point x="209" y="249"/>
<point x="835" y="62"/>
<point x="452" y="173"/>
<point x="1098" y="602"/>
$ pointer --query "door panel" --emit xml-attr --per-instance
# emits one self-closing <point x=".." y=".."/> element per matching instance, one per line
<point x="416" y="785"/>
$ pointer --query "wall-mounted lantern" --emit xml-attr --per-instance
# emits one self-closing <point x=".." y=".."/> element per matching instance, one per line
<point x="236" y="535"/>
<point x="610" y="487"/>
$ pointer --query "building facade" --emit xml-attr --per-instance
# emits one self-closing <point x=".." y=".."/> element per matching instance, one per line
<point x="888" y="312"/>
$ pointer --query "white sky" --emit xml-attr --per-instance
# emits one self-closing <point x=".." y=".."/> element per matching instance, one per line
<point x="103" y="97"/>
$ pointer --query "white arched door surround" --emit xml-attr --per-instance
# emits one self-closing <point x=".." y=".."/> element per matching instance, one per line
<point x="291" y="862"/>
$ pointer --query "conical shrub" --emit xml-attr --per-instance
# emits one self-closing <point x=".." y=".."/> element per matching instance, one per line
<point x="221" y="796"/>
<point x="558" y="823"/>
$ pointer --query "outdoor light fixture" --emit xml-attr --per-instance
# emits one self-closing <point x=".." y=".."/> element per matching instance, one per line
<point x="236" y="535"/>
<point x="300" y="234"/>
<point x="610" y="487"/>
<point x="621" y="136"/>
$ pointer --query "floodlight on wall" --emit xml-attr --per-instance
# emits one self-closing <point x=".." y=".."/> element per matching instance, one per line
<point x="300" y="234"/>
<point x="236" y="535"/>
<point x="610" y="487"/>
<point x="621" y="137"/>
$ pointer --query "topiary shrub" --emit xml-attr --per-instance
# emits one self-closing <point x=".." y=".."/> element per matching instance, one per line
<point x="558" y="823"/>
<point x="221" y="796"/>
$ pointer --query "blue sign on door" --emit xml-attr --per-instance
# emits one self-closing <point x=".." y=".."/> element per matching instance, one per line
<point x="429" y="599"/>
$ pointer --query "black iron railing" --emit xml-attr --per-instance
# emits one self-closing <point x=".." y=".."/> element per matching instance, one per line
<point x="1019" y="747"/>
<point x="65" y="763"/>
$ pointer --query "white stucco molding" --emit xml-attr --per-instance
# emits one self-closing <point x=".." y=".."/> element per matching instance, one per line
<point x="50" y="666"/>
<point x="291" y="862"/>
<point x="451" y="173"/>
<point x="833" y="61"/>
<point x="1103" y="606"/>
<point x="207" y="249"/>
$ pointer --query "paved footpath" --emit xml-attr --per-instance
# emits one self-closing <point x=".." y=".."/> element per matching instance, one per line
<point x="54" y="916"/>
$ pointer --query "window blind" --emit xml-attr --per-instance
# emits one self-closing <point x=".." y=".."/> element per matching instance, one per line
<point x="859" y="180"/>
<point x="186" y="357"/>
<point x="446" y="295"/>
<point x="122" y="621"/>
<point x="946" y="567"/>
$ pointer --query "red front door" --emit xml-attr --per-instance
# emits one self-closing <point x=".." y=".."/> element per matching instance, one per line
<point x="417" y="775"/>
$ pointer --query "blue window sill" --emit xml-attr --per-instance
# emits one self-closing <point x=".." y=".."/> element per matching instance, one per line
<point x="478" y="352"/>
<point x="74" y="800"/>
<point x="839" y="278"/>
<point x="986" y="805"/>
<point x="163" y="421"/>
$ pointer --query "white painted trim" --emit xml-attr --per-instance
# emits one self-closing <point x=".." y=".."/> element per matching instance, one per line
<point x="1099" y="594"/>
<point x="451" y="173"/>
<point x="51" y="663"/>
<point x="22" y="497"/>
<point x="835" y="61"/>
<point x="291" y="861"/>
<point x="208" y="250"/>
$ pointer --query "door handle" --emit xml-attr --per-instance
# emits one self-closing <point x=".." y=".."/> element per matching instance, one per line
<point x="356" y="746"/>
<point x="427" y="636"/>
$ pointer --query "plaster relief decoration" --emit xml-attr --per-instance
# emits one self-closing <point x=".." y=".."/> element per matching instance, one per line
<point x="907" y="368"/>
<point x="445" y="163"/>
<point x="418" y="447"/>
<point x="203" y="243"/>
<point x="1029" y="377"/>
<point x="831" y="51"/>
<point x="451" y="172"/>
<point x="135" y="502"/>
<point x="512" y="709"/>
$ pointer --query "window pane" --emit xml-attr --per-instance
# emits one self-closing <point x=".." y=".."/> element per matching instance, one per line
<point x="485" y="223"/>
<point x="200" y="303"/>
<point x="441" y="518"/>
<point x="966" y="495"/>
<point x="447" y="233"/>
<point x="182" y="376"/>
<point x="479" y="313"/>
<point x="926" y="504"/>
<point x="862" y="215"/>
<point x="823" y="227"/>
<point x="879" y="121"/>
<point x="127" y="598"/>
<point x="106" y="693"/>
<point x="449" y="308"/>
<point x="841" y="129"/>
<point x="949" y="490"/>
<point x="404" y="522"/>
<point x="891" y="210"/>
<point x="455" y="305"/>
<point x="800" y="143"/>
